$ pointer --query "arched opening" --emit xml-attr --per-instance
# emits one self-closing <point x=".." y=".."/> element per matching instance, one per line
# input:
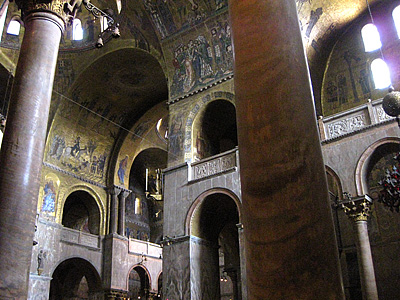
<point x="139" y="284"/>
<point x="144" y="206"/>
<point x="75" y="278"/>
<point x="82" y="213"/>
<point x="14" y="27"/>
<point x="77" y="30"/>
<point x="380" y="73"/>
<point x="371" y="38"/>
<point x="214" y="224"/>
<point x="215" y="131"/>
<point x="381" y="160"/>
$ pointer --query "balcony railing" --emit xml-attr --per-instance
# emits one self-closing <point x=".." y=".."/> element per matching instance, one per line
<point x="352" y="120"/>
<point x="76" y="237"/>
<point x="144" y="248"/>
<point x="214" y="165"/>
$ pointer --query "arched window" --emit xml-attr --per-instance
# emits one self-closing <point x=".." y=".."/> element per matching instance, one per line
<point x="14" y="27"/>
<point x="371" y="37"/>
<point x="138" y="206"/>
<point x="104" y="23"/>
<point x="380" y="73"/>
<point x="119" y="5"/>
<point x="396" y="19"/>
<point x="77" y="30"/>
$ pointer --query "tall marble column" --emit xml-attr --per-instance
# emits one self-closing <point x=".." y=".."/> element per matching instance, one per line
<point x="358" y="209"/>
<point x="113" y="192"/>
<point x="291" y="252"/>
<point x="24" y="139"/>
<point x="121" y="212"/>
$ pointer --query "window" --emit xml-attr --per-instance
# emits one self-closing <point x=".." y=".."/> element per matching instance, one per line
<point x="380" y="74"/>
<point x="396" y="19"/>
<point x="77" y="30"/>
<point x="138" y="207"/>
<point x="14" y="27"/>
<point x="371" y="38"/>
<point x="104" y="23"/>
<point x="119" y="6"/>
<point x="1" y="137"/>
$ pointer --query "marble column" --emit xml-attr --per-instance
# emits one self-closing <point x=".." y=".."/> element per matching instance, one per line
<point x="358" y="209"/>
<point x="121" y="212"/>
<point x="113" y="192"/>
<point x="242" y="274"/>
<point x="290" y="246"/>
<point x="24" y="139"/>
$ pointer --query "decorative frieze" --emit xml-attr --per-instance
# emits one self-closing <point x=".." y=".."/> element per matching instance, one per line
<point x="212" y="167"/>
<point x="346" y="126"/>
<point x="382" y="116"/>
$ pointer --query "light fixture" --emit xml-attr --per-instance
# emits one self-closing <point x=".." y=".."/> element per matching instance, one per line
<point x="112" y="30"/>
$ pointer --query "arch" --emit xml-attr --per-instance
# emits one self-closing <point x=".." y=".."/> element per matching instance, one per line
<point x="146" y="274"/>
<point x="77" y="30"/>
<point x="198" y="107"/>
<point x="380" y="73"/>
<point x="144" y="206"/>
<point x="214" y="237"/>
<point x="14" y="26"/>
<point x="214" y="129"/>
<point x="199" y="200"/>
<point x="363" y="162"/>
<point x="73" y="277"/>
<point x="337" y="180"/>
<point x="92" y="193"/>
<point x="371" y="38"/>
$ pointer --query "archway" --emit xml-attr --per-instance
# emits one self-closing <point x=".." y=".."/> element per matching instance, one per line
<point x="144" y="209"/>
<point x="215" y="256"/>
<point x="81" y="212"/>
<point x="139" y="284"/>
<point x="215" y="130"/>
<point x="75" y="278"/>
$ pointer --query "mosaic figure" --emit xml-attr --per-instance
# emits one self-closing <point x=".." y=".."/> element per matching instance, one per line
<point x="49" y="197"/>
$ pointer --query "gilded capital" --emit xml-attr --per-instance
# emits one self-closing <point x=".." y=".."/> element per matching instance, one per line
<point x="358" y="209"/>
<point x="65" y="9"/>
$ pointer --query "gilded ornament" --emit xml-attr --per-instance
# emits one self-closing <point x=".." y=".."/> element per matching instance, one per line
<point x="66" y="9"/>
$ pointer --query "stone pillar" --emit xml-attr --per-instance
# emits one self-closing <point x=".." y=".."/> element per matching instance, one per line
<point x="113" y="192"/>
<point x="290" y="246"/>
<point x="121" y="212"/>
<point x="242" y="274"/>
<point x="176" y="268"/>
<point x="24" y="139"/>
<point x="357" y="209"/>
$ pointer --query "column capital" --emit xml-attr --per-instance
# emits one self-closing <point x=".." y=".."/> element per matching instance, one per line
<point x="113" y="190"/>
<point x="125" y="193"/>
<point x="65" y="9"/>
<point x="357" y="208"/>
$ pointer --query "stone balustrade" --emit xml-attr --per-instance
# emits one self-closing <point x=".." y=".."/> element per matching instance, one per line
<point x="76" y="237"/>
<point x="214" y="165"/>
<point x="144" y="248"/>
<point x="353" y="120"/>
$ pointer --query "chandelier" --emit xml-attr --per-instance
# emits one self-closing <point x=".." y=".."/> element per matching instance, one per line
<point x="390" y="183"/>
